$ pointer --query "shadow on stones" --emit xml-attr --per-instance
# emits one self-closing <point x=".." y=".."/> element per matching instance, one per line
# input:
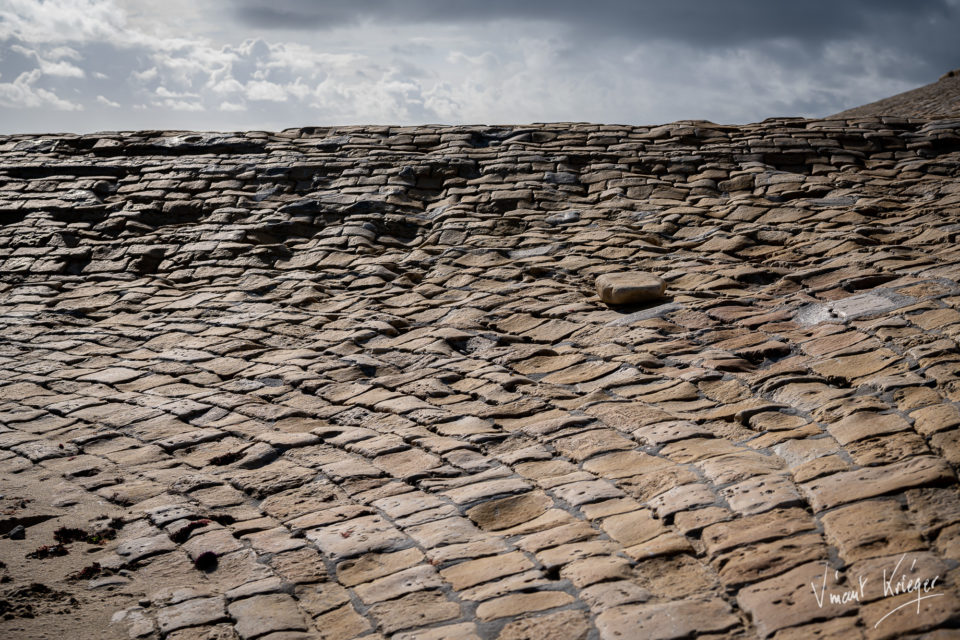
<point x="630" y="309"/>
<point x="639" y="312"/>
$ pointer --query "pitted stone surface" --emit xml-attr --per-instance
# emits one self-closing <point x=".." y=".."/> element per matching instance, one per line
<point x="358" y="382"/>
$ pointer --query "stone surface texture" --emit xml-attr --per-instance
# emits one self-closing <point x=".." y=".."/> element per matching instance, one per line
<point x="358" y="382"/>
<point x="629" y="288"/>
<point x="936" y="100"/>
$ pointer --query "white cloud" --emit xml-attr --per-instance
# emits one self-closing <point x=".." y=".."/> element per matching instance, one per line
<point x="179" y="105"/>
<point x="54" y="66"/>
<point x="163" y="92"/>
<point x="28" y="53"/>
<point x="64" y="69"/>
<point x="231" y="106"/>
<point x="107" y="102"/>
<point x="226" y="85"/>
<point x="22" y="94"/>
<point x="146" y="75"/>
<point x="264" y="90"/>
<point x="64" y="52"/>
<point x="64" y="21"/>
<point x="182" y="67"/>
<point x="301" y="58"/>
<point x="298" y="89"/>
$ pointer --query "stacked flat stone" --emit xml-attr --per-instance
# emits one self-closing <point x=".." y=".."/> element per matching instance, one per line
<point x="369" y="368"/>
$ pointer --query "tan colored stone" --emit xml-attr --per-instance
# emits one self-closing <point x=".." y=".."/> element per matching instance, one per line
<point x="633" y="528"/>
<point x="548" y="520"/>
<point x="358" y="536"/>
<point x="463" y="631"/>
<point x="747" y="564"/>
<point x="583" y="573"/>
<point x="665" y="621"/>
<point x="584" y="492"/>
<point x="849" y="486"/>
<point x="819" y="467"/>
<point x="623" y="464"/>
<point x="694" y="449"/>
<point x="835" y="629"/>
<point x="518" y="603"/>
<point x="788" y="601"/>
<point x="935" y="418"/>
<point x="510" y="512"/>
<point x="866" y="424"/>
<point x="473" y="572"/>
<point x="606" y="595"/>
<point x="673" y="577"/>
<point x="574" y="531"/>
<point x="857" y="367"/>
<point x="400" y="583"/>
<point x="300" y="566"/>
<point x="480" y="490"/>
<point x="526" y="581"/>
<point x="563" y="625"/>
<point x="567" y="553"/>
<point x="681" y="498"/>
<point x="932" y="509"/>
<point x="690" y="523"/>
<point x="582" y="372"/>
<point x="884" y="620"/>
<point x="886" y="449"/>
<point x="260" y="615"/>
<point x="592" y="442"/>
<point x="898" y="571"/>
<point x="376" y="565"/>
<point x="610" y="507"/>
<point x="775" y="421"/>
<point x="770" y="525"/>
<point x="666" y="544"/>
<point x="190" y="614"/>
<point x="343" y="623"/>
<point x="869" y="529"/>
<point x="762" y="493"/>
<point x="317" y="599"/>
<point x="421" y="609"/>
<point x="737" y="467"/>
<point x="629" y="287"/>
<point x="947" y="444"/>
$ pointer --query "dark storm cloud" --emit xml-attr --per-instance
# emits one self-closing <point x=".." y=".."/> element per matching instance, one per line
<point x="923" y="32"/>
<point x="694" y="21"/>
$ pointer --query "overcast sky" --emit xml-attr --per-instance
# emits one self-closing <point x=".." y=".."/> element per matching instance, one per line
<point x="92" y="65"/>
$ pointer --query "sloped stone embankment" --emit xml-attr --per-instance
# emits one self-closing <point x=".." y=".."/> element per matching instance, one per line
<point x="358" y="382"/>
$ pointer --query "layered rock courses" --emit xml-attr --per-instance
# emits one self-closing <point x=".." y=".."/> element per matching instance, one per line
<point x="358" y="382"/>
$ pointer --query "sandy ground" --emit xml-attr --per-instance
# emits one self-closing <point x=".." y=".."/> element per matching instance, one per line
<point x="49" y="597"/>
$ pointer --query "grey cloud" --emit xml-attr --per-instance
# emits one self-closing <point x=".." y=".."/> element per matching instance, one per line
<point x="694" y="21"/>
<point x="921" y="32"/>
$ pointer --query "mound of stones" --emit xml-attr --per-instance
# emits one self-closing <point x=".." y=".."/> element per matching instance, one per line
<point x="940" y="99"/>
<point x="569" y="380"/>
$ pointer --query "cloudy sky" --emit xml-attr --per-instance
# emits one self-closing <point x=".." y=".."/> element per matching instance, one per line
<point x="93" y="65"/>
